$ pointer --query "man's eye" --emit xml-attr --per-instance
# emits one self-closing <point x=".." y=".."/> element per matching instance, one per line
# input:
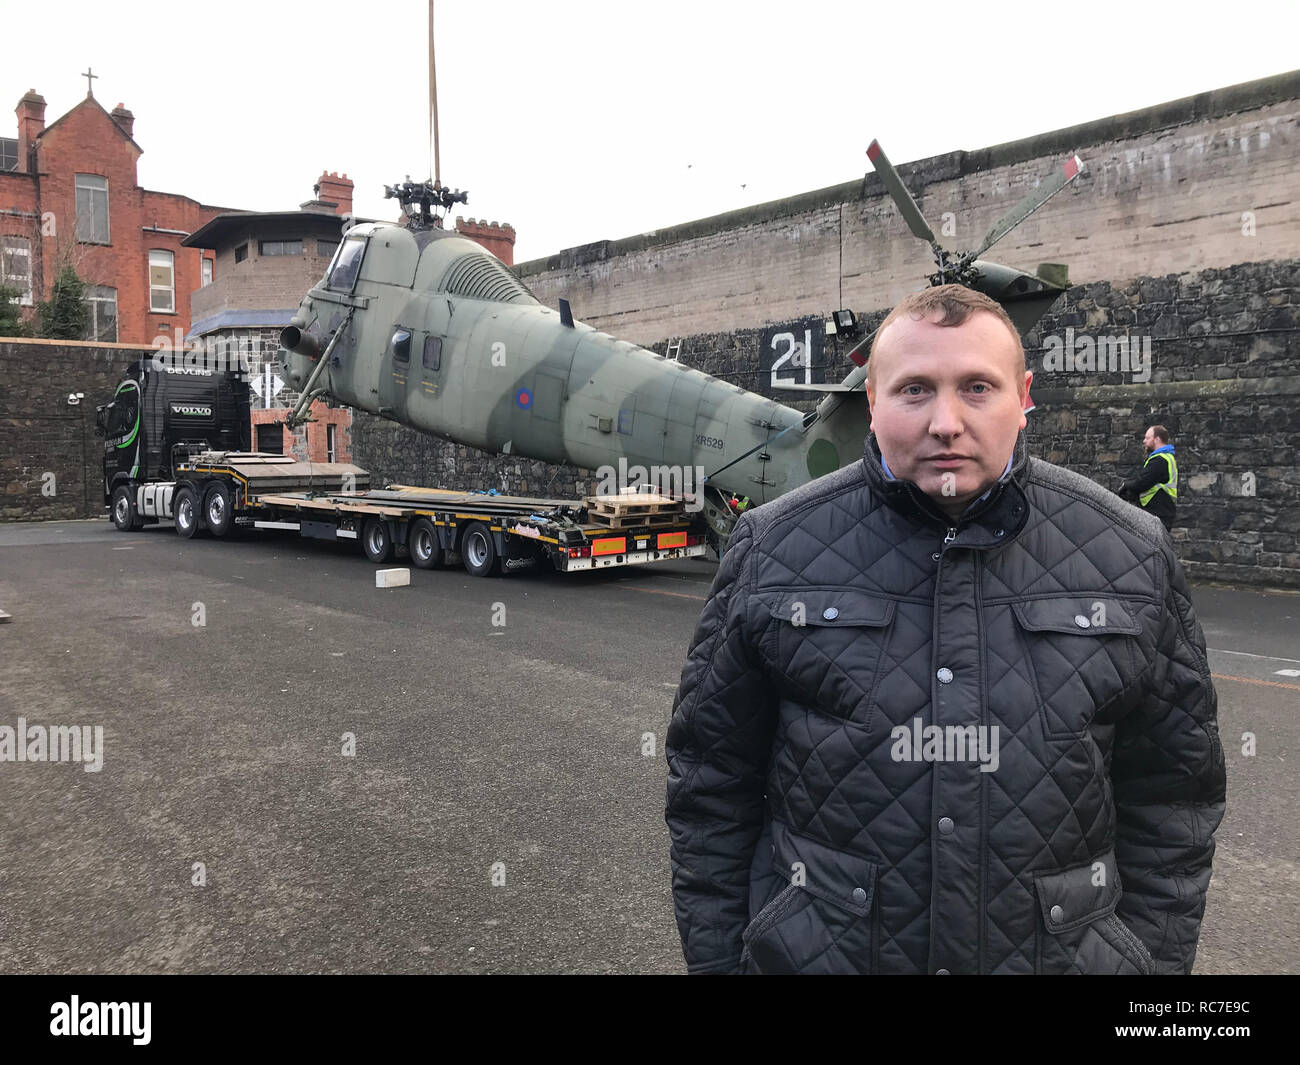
<point x="980" y="388"/>
<point x="912" y="390"/>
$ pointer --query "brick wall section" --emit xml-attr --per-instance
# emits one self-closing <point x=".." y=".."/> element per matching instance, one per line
<point x="396" y="455"/>
<point x="1164" y="192"/>
<point x="498" y="239"/>
<point x="40" y="433"/>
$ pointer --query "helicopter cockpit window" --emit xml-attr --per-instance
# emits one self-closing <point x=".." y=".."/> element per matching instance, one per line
<point x="432" y="353"/>
<point x="402" y="345"/>
<point x="346" y="265"/>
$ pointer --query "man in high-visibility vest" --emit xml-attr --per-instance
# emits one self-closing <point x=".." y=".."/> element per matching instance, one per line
<point x="1156" y="487"/>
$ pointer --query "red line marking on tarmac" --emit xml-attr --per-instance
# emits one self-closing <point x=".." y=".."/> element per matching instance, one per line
<point x="1252" y="680"/>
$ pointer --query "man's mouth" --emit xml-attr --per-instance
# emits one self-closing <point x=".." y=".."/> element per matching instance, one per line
<point x="947" y="460"/>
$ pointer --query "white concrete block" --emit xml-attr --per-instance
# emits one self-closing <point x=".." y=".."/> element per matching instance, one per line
<point x="392" y="578"/>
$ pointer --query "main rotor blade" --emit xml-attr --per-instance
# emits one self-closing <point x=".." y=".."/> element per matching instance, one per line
<point x="1039" y="196"/>
<point x="906" y="205"/>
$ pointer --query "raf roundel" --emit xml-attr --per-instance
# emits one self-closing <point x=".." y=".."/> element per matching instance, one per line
<point x="523" y="399"/>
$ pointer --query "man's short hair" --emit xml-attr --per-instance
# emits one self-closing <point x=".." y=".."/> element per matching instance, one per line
<point x="957" y="303"/>
<point x="1160" y="433"/>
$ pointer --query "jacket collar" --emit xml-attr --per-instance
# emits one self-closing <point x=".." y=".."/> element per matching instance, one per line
<point x="995" y="518"/>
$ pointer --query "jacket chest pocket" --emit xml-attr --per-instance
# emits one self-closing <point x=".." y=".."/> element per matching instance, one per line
<point x="827" y="647"/>
<point x="1082" y="653"/>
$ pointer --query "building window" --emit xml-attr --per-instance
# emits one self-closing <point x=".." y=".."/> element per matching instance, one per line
<point x="103" y="313"/>
<point x="8" y="154"/>
<point x="326" y="248"/>
<point x="279" y="247"/>
<point x="162" y="281"/>
<point x="432" y="353"/>
<point x="331" y="451"/>
<point x="270" y="438"/>
<point x="92" y="209"/>
<point x="207" y="272"/>
<point x="16" y="267"/>
<point x="241" y="253"/>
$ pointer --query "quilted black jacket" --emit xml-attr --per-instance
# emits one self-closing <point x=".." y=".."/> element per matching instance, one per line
<point x="817" y="827"/>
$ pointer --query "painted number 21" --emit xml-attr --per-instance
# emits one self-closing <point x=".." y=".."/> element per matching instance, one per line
<point x="796" y="354"/>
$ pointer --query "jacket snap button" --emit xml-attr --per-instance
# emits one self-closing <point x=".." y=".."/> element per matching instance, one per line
<point x="830" y="613"/>
<point x="1082" y="621"/>
<point x="1058" y="915"/>
<point x="942" y="972"/>
<point x="945" y="826"/>
<point x="859" y="896"/>
<point x="944" y="675"/>
<point x="935" y="556"/>
<point x="1000" y="532"/>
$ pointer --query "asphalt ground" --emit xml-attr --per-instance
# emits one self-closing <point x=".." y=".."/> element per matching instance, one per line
<point x="503" y="810"/>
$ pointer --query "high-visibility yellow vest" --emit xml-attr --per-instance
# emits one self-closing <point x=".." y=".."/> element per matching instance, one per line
<point x="1171" y="486"/>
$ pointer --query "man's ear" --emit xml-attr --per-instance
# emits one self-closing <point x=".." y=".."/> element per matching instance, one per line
<point x="871" y="397"/>
<point x="1024" y="397"/>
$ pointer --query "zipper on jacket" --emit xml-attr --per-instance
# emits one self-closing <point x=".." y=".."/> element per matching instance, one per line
<point x="952" y="535"/>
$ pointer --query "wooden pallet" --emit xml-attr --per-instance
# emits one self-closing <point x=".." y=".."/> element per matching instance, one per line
<point x="632" y="521"/>
<point x="633" y="504"/>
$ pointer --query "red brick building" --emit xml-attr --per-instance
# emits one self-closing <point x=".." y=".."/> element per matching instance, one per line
<point x="69" y="196"/>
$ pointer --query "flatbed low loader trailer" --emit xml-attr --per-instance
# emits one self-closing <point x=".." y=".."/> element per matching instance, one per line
<point x="219" y="492"/>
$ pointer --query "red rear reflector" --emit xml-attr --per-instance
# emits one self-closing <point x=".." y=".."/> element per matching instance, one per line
<point x="615" y="545"/>
<point x="673" y="539"/>
<point x="858" y="358"/>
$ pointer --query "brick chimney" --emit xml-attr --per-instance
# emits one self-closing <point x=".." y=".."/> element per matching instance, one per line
<point x="124" y="119"/>
<point x="498" y="239"/>
<point x="335" y="189"/>
<point x="31" y="121"/>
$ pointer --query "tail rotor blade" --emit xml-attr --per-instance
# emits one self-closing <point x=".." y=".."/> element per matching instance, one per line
<point x="906" y="205"/>
<point x="1039" y="196"/>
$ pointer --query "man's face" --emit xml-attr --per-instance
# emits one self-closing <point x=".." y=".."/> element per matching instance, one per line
<point x="1150" y="441"/>
<point x="947" y="403"/>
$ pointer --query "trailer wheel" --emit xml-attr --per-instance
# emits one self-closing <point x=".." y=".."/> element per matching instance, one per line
<point x="422" y="542"/>
<point x="125" y="516"/>
<point x="187" y="513"/>
<point x="479" y="552"/>
<point x="218" y="509"/>
<point x="376" y="540"/>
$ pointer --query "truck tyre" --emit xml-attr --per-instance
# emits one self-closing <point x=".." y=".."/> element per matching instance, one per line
<point x="376" y="540"/>
<point x="187" y="513"/>
<point x="218" y="509"/>
<point x="125" y="516"/>
<point x="479" y="552"/>
<point x="422" y="542"/>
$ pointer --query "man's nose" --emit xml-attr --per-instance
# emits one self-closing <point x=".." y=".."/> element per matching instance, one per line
<point x="946" y="414"/>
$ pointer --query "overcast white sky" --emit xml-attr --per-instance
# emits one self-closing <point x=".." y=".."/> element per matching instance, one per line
<point x="579" y="121"/>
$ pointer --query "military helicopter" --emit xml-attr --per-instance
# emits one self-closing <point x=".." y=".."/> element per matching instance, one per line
<point x="422" y="326"/>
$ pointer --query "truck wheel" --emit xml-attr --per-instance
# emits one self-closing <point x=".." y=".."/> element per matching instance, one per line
<point x="479" y="552"/>
<point x="125" y="516"/>
<point x="187" y="513"/>
<point x="376" y="540"/>
<point x="218" y="509"/>
<point x="422" y="542"/>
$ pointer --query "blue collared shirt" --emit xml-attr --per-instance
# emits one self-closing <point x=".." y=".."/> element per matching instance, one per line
<point x="1005" y="473"/>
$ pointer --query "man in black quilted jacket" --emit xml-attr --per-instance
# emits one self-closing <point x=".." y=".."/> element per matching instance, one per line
<point x="948" y="709"/>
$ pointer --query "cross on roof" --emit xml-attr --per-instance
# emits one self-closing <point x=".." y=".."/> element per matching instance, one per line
<point x="90" y="88"/>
